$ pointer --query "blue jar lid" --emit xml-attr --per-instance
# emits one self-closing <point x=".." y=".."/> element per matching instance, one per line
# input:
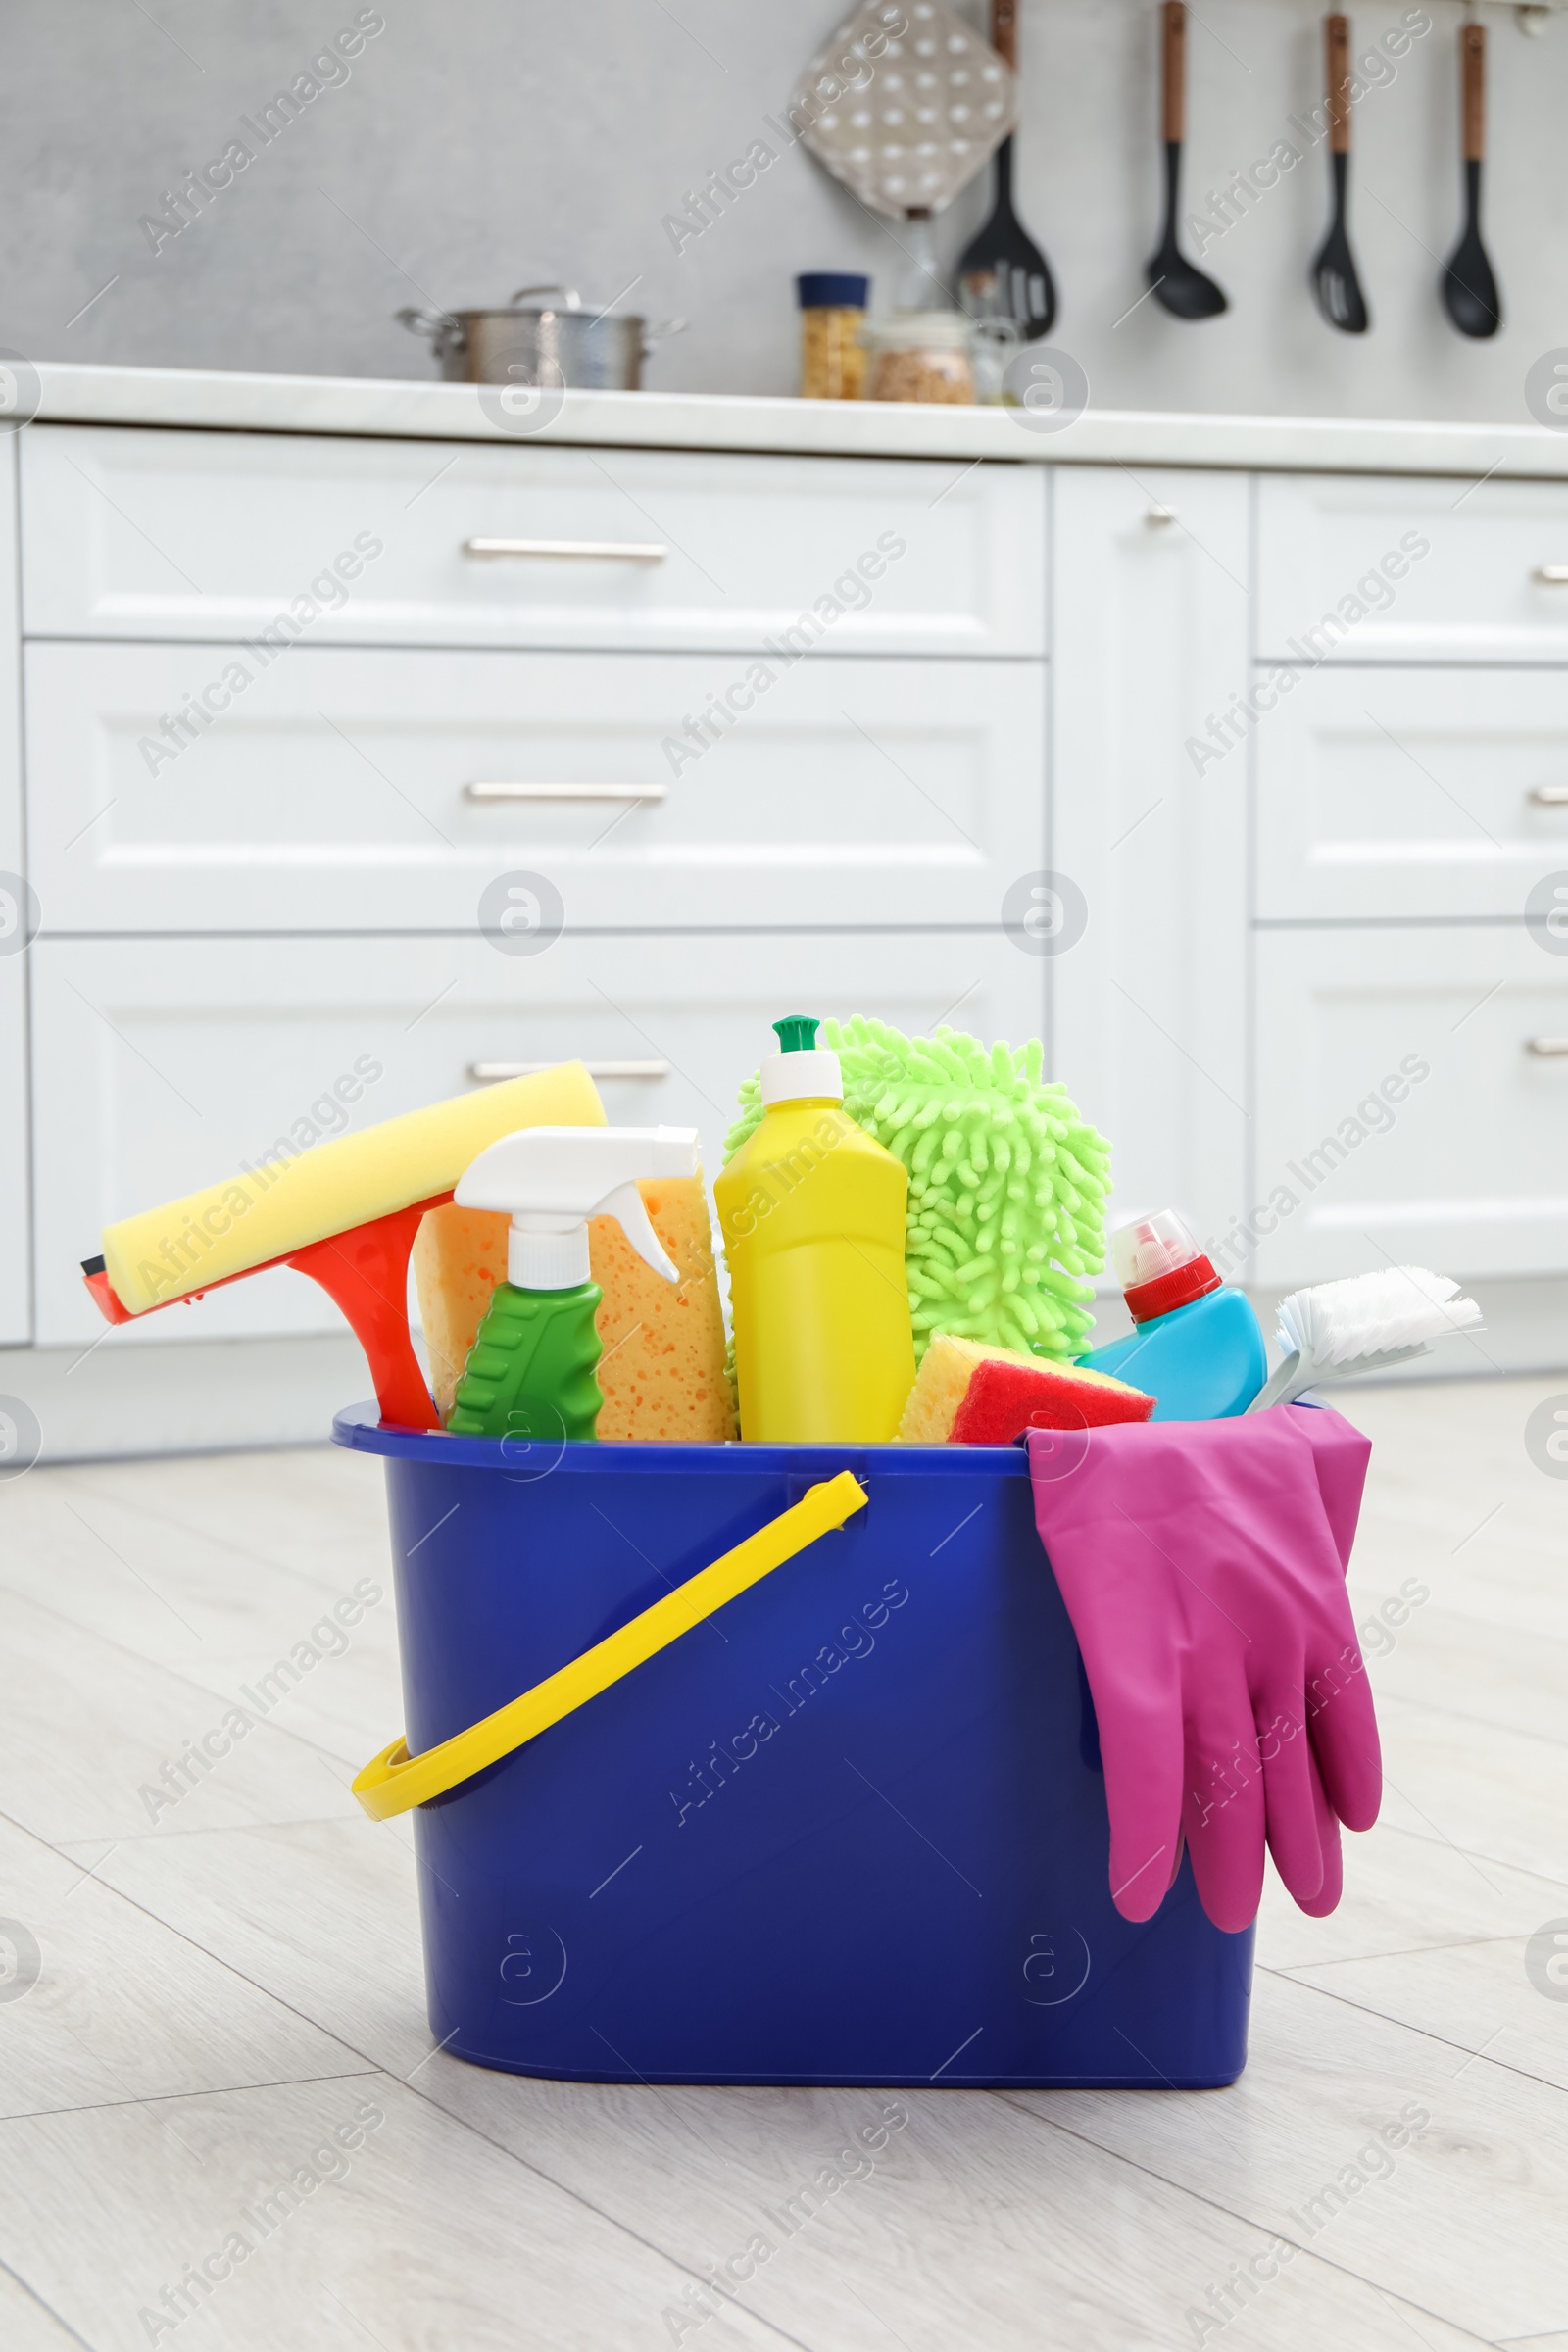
<point x="832" y="290"/>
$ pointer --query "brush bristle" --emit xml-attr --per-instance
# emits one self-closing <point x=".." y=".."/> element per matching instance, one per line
<point x="1399" y="1306"/>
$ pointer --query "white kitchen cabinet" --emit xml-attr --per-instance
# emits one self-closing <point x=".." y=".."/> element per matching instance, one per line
<point x="1441" y="570"/>
<point x="1149" y="1010"/>
<point x="16" y="1311"/>
<point x="1399" y="793"/>
<point x="1403" y="1115"/>
<point x="1295" y="990"/>
<point x="337" y="792"/>
<point x="215" y="535"/>
<point x="163" y="1065"/>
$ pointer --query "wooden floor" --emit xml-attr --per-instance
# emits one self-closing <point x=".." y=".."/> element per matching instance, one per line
<point x="217" y="1992"/>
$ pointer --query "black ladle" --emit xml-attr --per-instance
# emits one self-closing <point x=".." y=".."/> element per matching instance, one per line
<point x="1339" y="289"/>
<point x="1003" y="272"/>
<point x="1174" y="280"/>
<point x="1469" y="289"/>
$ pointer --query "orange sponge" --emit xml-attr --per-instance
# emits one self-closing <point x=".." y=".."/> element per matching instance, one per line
<point x="969" y="1392"/>
<point x="662" y="1370"/>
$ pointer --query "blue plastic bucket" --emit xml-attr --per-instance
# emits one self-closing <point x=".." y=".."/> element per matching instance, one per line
<point x="852" y="1829"/>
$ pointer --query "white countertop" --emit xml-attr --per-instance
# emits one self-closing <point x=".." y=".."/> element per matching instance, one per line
<point x="308" y="404"/>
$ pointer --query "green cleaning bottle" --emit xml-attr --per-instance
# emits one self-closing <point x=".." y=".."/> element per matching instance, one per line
<point x="530" y="1371"/>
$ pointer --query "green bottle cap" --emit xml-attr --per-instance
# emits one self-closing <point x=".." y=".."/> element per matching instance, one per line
<point x="796" y="1033"/>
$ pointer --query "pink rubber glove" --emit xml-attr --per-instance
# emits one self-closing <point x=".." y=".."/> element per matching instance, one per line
<point x="1202" y="1564"/>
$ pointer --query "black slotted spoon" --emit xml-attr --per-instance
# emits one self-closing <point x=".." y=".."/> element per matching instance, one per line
<point x="1003" y="272"/>
<point x="1469" y="289"/>
<point x="1339" y="289"/>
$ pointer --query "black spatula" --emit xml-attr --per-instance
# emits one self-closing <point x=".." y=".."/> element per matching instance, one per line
<point x="1173" y="279"/>
<point x="1002" y="274"/>
<point x="1469" y="289"/>
<point x="1339" y="289"/>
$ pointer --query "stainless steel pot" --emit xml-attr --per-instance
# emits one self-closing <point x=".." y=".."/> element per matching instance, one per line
<point x="558" y="344"/>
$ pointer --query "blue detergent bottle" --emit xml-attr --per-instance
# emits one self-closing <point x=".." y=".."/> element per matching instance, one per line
<point x="1198" y="1346"/>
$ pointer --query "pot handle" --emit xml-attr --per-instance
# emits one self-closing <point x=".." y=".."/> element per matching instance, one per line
<point x="439" y="328"/>
<point x="573" y="298"/>
<point x="662" y="333"/>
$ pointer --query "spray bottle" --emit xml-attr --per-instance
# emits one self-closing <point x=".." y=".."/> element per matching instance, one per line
<point x="530" y="1371"/>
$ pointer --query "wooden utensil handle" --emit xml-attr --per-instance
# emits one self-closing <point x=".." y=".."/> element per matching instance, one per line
<point x="1337" y="41"/>
<point x="1175" y="69"/>
<point x="1004" y="31"/>
<point x="1473" y="54"/>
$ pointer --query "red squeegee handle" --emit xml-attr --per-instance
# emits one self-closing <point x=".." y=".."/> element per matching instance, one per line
<point x="365" y="1272"/>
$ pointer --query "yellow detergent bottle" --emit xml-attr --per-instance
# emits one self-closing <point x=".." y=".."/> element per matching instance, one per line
<point x="812" y="1213"/>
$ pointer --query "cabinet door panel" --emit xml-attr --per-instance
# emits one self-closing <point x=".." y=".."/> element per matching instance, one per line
<point x="15" y="1206"/>
<point x="1402" y="1115"/>
<point x="16" y="1312"/>
<point x="163" y="1065"/>
<point x="1151" y="1006"/>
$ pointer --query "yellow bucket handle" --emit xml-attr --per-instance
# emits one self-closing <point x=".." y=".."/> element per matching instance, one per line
<point x="394" y="1781"/>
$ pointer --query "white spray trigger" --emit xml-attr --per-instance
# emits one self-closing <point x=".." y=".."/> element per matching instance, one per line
<point x="626" y="1205"/>
<point x="550" y="1180"/>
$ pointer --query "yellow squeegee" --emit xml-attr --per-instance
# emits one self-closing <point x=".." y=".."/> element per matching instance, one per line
<point x="346" y="1214"/>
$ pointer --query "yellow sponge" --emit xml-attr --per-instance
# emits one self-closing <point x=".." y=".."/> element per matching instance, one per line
<point x="279" y="1205"/>
<point x="662" y="1374"/>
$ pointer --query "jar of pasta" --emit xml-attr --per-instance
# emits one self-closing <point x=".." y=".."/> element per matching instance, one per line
<point x="920" y="355"/>
<point x="832" y="356"/>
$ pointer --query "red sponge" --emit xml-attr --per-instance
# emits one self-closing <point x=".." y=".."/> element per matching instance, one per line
<point x="970" y="1393"/>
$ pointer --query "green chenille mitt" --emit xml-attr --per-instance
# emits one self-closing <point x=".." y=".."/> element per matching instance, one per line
<point x="1008" y="1183"/>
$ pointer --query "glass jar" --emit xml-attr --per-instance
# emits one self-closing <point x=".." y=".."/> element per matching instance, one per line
<point x="921" y="356"/>
<point x="832" y="354"/>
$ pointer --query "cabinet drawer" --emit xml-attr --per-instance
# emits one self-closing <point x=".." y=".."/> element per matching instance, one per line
<point x="1469" y="564"/>
<point x="347" y="789"/>
<point x="160" y="1065"/>
<point x="128" y="533"/>
<point x="1464" y="1169"/>
<point x="1411" y="793"/>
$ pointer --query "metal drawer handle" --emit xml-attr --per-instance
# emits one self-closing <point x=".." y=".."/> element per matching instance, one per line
<point x="603" y="551"/>
<point x="1553" y="575"/>
<point x="566" y="792"/>
<point x="486" y="1073"/>
<point x="1550" y="796"/>
<point x="1547" y="1046"/>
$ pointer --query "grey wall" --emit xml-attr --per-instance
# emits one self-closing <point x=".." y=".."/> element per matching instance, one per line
<point x="481" y="145"/>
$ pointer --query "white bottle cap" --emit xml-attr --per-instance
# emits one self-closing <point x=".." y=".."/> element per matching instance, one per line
<point x="812" y="1077"/>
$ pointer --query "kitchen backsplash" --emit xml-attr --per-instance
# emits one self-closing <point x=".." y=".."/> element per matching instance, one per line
<point x="446" y="156"/>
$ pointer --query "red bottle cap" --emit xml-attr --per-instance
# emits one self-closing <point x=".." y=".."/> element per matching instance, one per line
<point x="1167" y="1292"/>
<point x="1160" y="1265"/>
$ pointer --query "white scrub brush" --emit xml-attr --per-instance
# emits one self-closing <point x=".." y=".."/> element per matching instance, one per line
<point x="1338" y="1330"/>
